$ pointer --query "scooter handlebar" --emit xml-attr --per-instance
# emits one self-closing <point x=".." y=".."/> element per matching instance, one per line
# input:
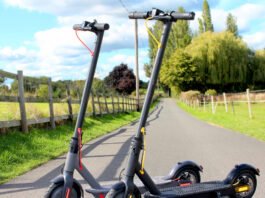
<point x="160" y="15"/>
<point x="91" y="26"/>
<point x="182" y="16"/>
<point x="138" y="15"/>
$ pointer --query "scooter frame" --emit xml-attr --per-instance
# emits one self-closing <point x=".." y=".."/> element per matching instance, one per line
<point x="127" y="188"/>
<point x="62" y="185"/>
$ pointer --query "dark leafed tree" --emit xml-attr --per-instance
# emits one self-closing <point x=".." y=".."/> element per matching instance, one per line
<point x="231" y="25"/>
<point x="206" y="15"/>
<point x="122" y="79"/>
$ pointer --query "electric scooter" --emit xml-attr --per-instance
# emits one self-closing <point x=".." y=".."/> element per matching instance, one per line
<point x="240" y="182"/>
<point x="183" y="173"/>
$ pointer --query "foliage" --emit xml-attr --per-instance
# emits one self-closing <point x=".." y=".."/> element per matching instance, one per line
<point x="180" y="71"/>
<point x="23" y="151"/>
<point x="211" y="92"/>
<point x="259" y="71"/>
<point x="221" y="59"/>
<point x="206" y="15"/>
<point x="231" y="25"/>
<point x="42" y="91"/>
<point x="122" y="79"/>
<point x="189" y="95"/>
<point x="251" y="127"/>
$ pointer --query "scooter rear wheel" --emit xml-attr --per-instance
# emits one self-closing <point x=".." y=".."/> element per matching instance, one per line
<point x="188" y="175"/>
<point x="242" y="179"/>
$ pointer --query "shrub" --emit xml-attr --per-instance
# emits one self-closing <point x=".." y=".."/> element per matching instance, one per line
<point x="210" y="92"/>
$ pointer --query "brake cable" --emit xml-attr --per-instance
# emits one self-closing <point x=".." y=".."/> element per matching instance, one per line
<point x="150" y="32"/>
<point x="90" y="51"/>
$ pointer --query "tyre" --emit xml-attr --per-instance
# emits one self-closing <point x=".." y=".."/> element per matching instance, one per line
<point x="242" y="179"/>
<point x="55" y="191"/>
<point x="114" y="194"/>
<point x="188" y="175"/>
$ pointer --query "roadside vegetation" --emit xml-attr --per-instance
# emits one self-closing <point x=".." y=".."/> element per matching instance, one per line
<point x="238" y="121"/>
<point x="20" y="152"/>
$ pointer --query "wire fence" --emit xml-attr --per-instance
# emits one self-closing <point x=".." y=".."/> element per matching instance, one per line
<point x="247" y="104"/>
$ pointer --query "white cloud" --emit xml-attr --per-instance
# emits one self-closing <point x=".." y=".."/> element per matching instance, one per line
<point x="60" y="55"/>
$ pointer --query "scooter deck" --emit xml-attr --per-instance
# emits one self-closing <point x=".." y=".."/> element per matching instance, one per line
<point x="194" y="190"/>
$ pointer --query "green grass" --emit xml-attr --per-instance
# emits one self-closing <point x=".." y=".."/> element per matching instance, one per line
<point x="238" y="120"/>
<point x="21" y="152"/>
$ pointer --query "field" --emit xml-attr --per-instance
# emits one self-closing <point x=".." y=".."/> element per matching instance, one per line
<point x="237" y="117"/>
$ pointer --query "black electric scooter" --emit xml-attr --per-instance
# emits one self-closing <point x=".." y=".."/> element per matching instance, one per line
<point x="65" y="186"/>
<point x="240" y="182"/>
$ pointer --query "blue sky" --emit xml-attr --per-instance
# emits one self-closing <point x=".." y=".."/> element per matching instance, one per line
<point x="37" y="35"/>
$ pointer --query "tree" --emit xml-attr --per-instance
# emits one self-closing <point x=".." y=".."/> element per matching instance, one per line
<point x="259" y="69"/>
<point x="221" y="59"/>
<point x="99" y="86"/>
<point x="148" y="69"/>
<point x="42" y="91"/>
<point x="180" y="72"/>
<point x="231" y="25"/>
<point x="201" y="27"/>
<point x="122" y="79"/>
<point x="206" y="15"/>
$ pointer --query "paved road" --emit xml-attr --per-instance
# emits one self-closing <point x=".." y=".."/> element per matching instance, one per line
<point x="180" y="136"/>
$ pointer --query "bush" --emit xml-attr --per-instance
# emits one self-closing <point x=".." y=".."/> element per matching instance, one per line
<point x="191" y="94"/>
<point x="210" y="92"/>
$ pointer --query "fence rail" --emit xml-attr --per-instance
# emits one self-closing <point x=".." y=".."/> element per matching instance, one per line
<point x="100" y="104"/>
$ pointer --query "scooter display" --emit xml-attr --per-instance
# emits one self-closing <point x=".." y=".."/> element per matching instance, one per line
<point x="241" y="182"/>
<point x="183" y="173"/>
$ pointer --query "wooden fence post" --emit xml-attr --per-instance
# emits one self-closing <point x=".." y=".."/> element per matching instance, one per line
<point x="118" y="104"/>
<point x="93" y="104"/>
<point x="23" y="115"/>
<point x="51" y="103"/>
<point x="212" y="105"/>
<point x="106" y="105"/>
<point x="113" y="107"/>
<point x="69" y="102"/>
<point x="204" y="104"/>
<point x="249" y="104"/>
<point x="225" y="102"/>
<point x="99" y="106"/>
<point x="123" y="101"/>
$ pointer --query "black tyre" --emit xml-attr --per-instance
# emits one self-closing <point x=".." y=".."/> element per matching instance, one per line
<point x="188" y="175"/>
<point x="55" y="191"/>
<point x="245" y="178"/>
<point x="114" y="194"/>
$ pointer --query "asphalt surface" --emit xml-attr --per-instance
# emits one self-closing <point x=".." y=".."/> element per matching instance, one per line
<point x="172" y="136"/>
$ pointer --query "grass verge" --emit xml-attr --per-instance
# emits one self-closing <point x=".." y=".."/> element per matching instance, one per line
<point x="21" y="152"/>
<point x="239" y="122"/>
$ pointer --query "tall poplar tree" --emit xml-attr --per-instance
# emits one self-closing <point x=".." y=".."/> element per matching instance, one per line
<point x="231" y="25"/>
<point x="206" y="15"/>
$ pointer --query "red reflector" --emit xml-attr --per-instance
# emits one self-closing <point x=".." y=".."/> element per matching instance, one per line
<point x="101" y="195"/>
<point x="185" y="184"/>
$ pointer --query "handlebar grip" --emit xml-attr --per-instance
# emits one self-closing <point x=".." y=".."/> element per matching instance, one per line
<point x="182" y="16"/>
<point x="101" y="26"/>
<point x="94" y="26"/>
<point x="78" y="27"/>
<point x="138" y="15"/>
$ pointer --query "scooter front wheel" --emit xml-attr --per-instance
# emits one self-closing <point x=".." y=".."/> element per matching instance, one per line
<point x="56" y="190"/>
<point x="245" y="184"/>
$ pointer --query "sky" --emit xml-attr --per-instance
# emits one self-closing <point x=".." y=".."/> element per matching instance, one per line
<point x="37" y="35"/>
